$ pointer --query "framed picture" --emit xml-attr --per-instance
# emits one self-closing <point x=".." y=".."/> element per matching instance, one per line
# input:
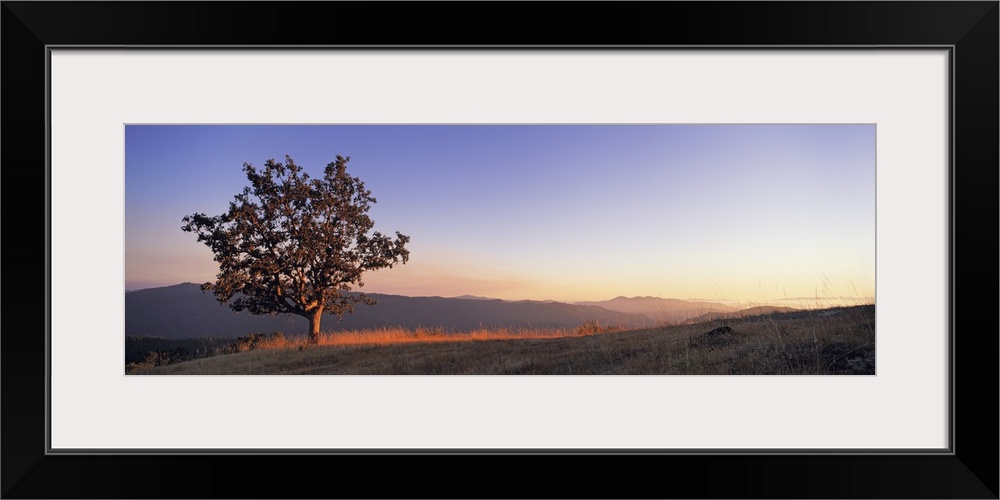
<point x="919" y="79"/>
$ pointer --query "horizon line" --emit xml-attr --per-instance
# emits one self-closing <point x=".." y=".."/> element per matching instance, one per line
<point x="750" y="303"/>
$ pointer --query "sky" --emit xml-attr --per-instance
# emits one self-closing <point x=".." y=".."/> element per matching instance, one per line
<point x="747" y="214"/>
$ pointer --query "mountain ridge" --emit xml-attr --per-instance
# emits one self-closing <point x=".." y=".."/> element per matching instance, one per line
<point x="659" y="309"/>
<point x="185" y="311"/>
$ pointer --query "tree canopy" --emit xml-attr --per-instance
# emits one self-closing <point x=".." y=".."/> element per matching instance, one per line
<point x="296" y="245"/>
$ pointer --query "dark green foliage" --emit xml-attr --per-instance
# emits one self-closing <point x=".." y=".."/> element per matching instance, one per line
<point x="145" y="352"/>
<point x="137" y="348"/>
<point x="291" y="244"/>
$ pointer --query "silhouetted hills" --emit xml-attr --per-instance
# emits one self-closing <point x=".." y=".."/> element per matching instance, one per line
<point x="672" y="311"/>
<point x="473" y="297"/>
<point x="184" y="311"/>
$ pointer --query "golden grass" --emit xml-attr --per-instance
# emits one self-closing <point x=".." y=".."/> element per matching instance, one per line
<point x="834" y="341"/>
<point x="389" y="336"/>
<point x="392" y="336"/>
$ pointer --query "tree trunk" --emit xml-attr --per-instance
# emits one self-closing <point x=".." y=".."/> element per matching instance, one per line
<point x="314" y="318"/>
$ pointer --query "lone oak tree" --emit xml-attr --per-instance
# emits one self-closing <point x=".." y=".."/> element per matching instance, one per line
<point x="295" y="245"/>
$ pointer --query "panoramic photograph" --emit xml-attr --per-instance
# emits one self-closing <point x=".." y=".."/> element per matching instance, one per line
<point x="555" y="249"/>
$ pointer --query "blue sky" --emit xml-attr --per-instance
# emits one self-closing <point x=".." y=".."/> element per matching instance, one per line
<point x="749" y="213"/>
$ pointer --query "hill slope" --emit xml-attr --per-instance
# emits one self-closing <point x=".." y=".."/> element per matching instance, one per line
<point x="837" y="341"/>
<point x="743" y="313"/>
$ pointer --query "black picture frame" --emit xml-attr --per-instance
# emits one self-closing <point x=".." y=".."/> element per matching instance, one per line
<point x="970" y="470"/>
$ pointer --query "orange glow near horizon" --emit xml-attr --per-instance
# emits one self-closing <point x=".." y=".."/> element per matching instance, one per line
<point x="440" y="280"/>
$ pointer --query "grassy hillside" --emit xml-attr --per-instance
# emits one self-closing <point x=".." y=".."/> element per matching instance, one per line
<point x="832" y="341"/>
<point x="744" y="313"/>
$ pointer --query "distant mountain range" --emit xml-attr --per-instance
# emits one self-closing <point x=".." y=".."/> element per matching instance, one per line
<point x="184" y="311"/>
<point x="659" y="310"/>
<point x="473" y="297"/>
